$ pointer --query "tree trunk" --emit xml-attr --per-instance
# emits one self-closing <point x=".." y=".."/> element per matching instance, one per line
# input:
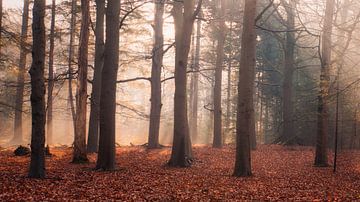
<point x="93" y="136"/>
<point x="37" y="164"/>
<point x="217" y="141"/>
<point x="70" y="61"/>
<point x="288" y="136"/>
<point x="18" y="130"/>
<point x="228" y="88"/>
<point x="321" y="158"/>
<point x="195" y="84"/>
<point x="106" y="156"/>
<point x="1" y="17"/>
<point x="181" y="154"/>
<point x="51" y="76"/>
<point x="79" y="154"/>
<point x="245" y="124"/>
<point x="157" y="62"/>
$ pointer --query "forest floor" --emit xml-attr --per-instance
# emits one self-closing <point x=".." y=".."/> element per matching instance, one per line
<point x="279" y="173"/>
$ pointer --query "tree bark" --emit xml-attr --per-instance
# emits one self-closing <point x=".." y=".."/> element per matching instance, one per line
<point x="79" y="154"/>
<point x="93" y="136"/>
<point x="18" y="129"/>
<point x="157" y="62"/>
<point x="70" y="61"/>
<point x="181" y="154"/>
<point x="51" y="76"/>
<point x="106" y="156"/>
<point x="321" y="158"/>
<point x="245" y="124"/>
<point x="288" y="136"/>
<point x="1" y="25"/>
<point x="37" y="164"/>
<point x="217" y="141"/>
<point x="195" y="84"/>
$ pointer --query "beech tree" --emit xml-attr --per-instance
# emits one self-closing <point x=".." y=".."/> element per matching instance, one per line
<point x="70" y="62"/>
<point x="218" y="141"/>
<point x="194" y="83"/>
<point x="157" y="62"/>
<point x="51" y="76"/>
<point x="18" y="128"/>
<point x="245" y="108"/>
<point x="37" y="164"/>
<point x="323" y="97"/>
<point x="79" y="154"/>
<point x="184" y="16"/>
<point x="106" y="155"/>
<point x="288" y="135"/>
<point x="93" y="136"/>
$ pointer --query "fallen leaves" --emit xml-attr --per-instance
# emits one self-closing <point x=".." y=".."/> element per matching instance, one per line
<point x="280" y="173"/>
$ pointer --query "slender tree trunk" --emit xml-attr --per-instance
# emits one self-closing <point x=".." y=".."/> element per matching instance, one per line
<point x="70" y="61"/>
<point x="195" y="84"/>
<point x="245" y="124"/>
<point x="228" y="90"/>
<point x="51" y="76"/>
<point x="288" y="136"/>
<point x="1" y="17"/>
<point x="321" y="158"/>
<point x="79" y="154"/>
<point x="93" y="136"/>
<point x="106" y="156"/>
<point x="18" y="130"/>
<point x="181" y="154"/>
<point x="157" y="62"/>
<point x="37" y="164"/>
<point x="217" y="141"/>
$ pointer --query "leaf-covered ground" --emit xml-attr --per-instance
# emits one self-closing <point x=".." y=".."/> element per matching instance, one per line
<point x="280" y="173"/>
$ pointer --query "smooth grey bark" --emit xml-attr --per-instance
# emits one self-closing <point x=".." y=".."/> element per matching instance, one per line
<point x="288" y="135"/>
<point x="194" y="84"/>
<point x="37" y="163"/>
<point x="184" y="16"/>
<point x="245" y="124"/>
<point x="93" y="135"/>
<point x="70" y="61"/>
<point x="79" y="153"/>
<point x="19" y="100"/>
<point x="157" y="63"/>
<point x="321" y="158"/>
<point x="106" y="155"/>
<point x="49" y="121"/>
<point x="217" y="131"/>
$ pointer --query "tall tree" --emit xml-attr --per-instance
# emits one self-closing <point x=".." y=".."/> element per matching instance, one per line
<point x="79" y="154"/>
<point x="157" y="62"/>
<point x="18" y="128"/>
<point x="93" y="136"/>
<point x="37" y="164"/>
<point x="1" y="25"/>
<point x="217" y="141"/>
<point x="194" y="83"/>
<point x="51" y="76"/>
<point x="245" y="126"/>
<point x="288" y="135"/>
<point x="70" y="61"/>
<point x="184" y="17"/>
<point x="106" y="156"/>
<point x="321" y="158"/>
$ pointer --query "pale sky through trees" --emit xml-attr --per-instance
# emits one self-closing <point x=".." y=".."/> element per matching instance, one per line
<point x="13" y="3"/>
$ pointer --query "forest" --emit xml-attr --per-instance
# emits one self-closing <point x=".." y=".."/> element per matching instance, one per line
<point x="179" y="100"/>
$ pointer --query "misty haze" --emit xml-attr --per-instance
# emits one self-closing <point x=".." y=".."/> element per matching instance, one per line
<point x="166" y="100"/>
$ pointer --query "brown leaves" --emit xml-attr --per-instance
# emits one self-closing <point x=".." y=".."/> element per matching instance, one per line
<point x="279" y="174"/>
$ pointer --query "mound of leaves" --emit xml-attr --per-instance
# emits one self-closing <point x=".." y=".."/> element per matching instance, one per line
<point x="22" y="151"/>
